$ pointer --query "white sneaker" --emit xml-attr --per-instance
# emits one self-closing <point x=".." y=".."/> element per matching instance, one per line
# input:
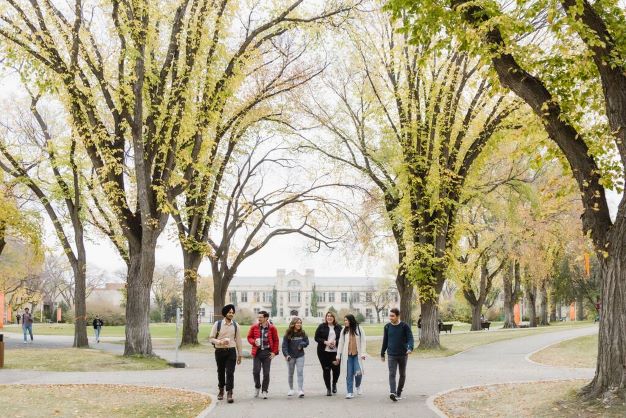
<point x="359" y="391"/>
<point x="264" y="395"/>
<point x="25" y="342"/>
<point x="301" y="394"/>
<point x="291" y="392"/>
<point x="349" y="396"/>
<point x="256" y="392"/>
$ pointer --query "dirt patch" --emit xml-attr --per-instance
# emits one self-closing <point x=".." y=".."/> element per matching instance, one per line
<point x="537" y="399"/>
<point x="106" y="401"/>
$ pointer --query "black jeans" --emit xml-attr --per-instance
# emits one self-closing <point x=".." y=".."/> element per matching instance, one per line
<point x="262" y="360"/>
<point x="226" y="359"/>
<point x="397" y="362"/>
<point x="326" y="360"/>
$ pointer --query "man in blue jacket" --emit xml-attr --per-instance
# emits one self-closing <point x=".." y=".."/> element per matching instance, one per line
<point x="398" y="343"/>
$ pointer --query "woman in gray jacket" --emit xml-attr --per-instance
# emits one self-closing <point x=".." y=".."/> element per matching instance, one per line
<point x="294" y="342"/>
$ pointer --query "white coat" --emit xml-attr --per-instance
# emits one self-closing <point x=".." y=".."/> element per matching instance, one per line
<point x="342" y="348"/>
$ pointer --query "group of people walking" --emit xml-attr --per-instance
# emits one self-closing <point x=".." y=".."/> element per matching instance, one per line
<point x="338" y="348"/>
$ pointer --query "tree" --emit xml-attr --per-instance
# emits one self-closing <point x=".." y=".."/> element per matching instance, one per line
<point x="274" y="302"/>
<point x="144" y="95"/>
<point x="16" y="221"/>
<point x="314" y="302"/>
<point x="64" y="195"/>
<point x="381" y="297"/>
<point x="253" y="212"/>
<point x="166" y="288"/>
<point x="413" y="119"/>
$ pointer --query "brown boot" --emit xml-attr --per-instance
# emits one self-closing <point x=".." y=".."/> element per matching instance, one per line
<point x="220" y="395"/>
<point x="229" y="396"/>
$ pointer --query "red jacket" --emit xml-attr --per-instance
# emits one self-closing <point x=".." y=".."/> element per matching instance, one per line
<point x="272" y="338"/>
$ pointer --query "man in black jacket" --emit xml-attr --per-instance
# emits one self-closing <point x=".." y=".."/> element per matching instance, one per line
<point x="97" y="327"/>
<point x="398" y="343"/>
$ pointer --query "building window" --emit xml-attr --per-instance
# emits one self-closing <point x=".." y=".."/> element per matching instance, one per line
<point x="321" y="297"/>
<point x="202" y="312"/>
<point x="293" y="283"/>
<point x="356" y="297"/>
<point x="344" y="297"/>
<point x="368" y="313"/>
<point x="306" y="311"/>
<point x="232" y="296"/>
<point x="256" y="296"/>
<point x="244" y="296"/>
<point x="281" y="312"/>
<point x="267" y="297"/>
<point x="294" y="297"/>
<point x="256" y="311"/>
<point x="368" y="297"/>
<point x="331" y="296"/>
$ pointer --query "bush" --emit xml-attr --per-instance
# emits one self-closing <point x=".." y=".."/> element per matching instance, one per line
<point x="359" y="318"/>
<point x="155" y="316"/>
<point x="455" y="310"/>
<point x="245" y="316"/>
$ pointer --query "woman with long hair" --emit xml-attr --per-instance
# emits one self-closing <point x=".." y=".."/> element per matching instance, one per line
<point x="351" y="352"/>
<point x="294" y="342"/>
<point x="327" y="338"/>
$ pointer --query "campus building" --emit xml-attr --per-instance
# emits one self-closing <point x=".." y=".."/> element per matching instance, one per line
<point x="294" y="290"/>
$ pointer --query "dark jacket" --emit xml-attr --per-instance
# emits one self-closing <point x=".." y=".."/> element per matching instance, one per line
<point x="97" y="323"/>
<point x="321" y="335"/>
<point x="397" y="339"/>
<point x="294" y="347"/>
<point x="272" y="338"/>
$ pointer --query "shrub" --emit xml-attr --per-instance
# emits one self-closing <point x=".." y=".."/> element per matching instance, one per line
<point x="155" y="315"/>
<point x="245" y="316"/>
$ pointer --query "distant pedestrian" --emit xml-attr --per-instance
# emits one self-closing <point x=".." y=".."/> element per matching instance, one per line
<point x="398" y="343"/>
<point x="294" y="343"/>
<point x="263" y="337"/>
<point x="351" y="352"/>
<point x="225" y="336"/>
<point x="18" y="317"/>
<point x="327" y="338"/>
<point x="97" y="327"/>
<point x="27" y="324"/>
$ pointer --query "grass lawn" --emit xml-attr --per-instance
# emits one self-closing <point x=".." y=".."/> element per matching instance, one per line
<point x="537" y="399"/>
<point x="455" y="343"/>
<point x="578" y="352"/>
<point x="99" y="401"/>
<point x="76" y="360"/>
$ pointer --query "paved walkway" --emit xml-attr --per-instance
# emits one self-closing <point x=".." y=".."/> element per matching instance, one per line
<point x="493" y="363"/>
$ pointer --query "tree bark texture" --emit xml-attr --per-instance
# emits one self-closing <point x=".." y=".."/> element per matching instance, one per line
<point x="138" y="286"/>
<point x="511" y="289"/>
<point x="531" y="299"/>
<point x="191" y="262"/>
<point x="543" y="304"/>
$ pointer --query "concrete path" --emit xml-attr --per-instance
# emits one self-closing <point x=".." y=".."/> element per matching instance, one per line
<point x="493" y="363"/>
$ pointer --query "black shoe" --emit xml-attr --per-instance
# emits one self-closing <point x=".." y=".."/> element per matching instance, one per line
<point x="334" y="387"/>
<point x="220" y="394"/>
<point x="399" y="395"/>
<point x="328" y="392"/>
<point x="393" y="397"/>
<point x="229" y="396"/>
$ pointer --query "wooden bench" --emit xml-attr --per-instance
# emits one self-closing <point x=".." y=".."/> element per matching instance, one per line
<point x="485" y="325"/>
<point x="445" y="327"/>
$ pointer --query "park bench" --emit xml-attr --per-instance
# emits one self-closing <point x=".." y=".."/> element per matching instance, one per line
<point x="445" y="327"/>
<point x="485" y="325"/>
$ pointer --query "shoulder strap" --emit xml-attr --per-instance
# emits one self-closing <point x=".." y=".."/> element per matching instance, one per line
<point x="219" y="327"/>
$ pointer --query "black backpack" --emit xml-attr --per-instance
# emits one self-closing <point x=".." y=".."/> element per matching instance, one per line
<point x="219" y="327"/>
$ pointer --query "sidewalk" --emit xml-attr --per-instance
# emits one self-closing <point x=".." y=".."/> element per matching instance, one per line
<point x="492" y="363"/>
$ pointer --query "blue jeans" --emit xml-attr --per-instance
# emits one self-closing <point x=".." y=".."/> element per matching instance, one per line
<point x="28" y="328"/>
<point x="353" y="372"/>
<point x="97" y="331"/>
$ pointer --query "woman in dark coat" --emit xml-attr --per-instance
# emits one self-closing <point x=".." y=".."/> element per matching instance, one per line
<point x="327" y="337"/>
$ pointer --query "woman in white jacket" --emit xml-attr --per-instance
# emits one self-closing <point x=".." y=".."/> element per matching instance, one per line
<point x="351" y="352"/>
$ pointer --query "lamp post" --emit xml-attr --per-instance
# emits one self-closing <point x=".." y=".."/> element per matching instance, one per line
<point x="177" y="364"/>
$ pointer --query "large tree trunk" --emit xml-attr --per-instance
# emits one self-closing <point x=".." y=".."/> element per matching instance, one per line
<point x="531" y="297"/>
<point x="476" y="313"/>
<point x="138" y="286"/>
<point x="406" y="293"/>
<point x="221" y="281"/>
<point x="552" y="304"/>
<point x="580" y="310"/>
<point x="610" y="377"/>
<point x="429" y="334"/>
<point x="191" y="263"/>
<point x="79" y="268"/>
<point x="543" y="305"/>
<point x="510" y="284"/>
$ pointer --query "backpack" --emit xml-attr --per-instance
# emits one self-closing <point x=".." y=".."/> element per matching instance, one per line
<point x="219" y="327"/>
